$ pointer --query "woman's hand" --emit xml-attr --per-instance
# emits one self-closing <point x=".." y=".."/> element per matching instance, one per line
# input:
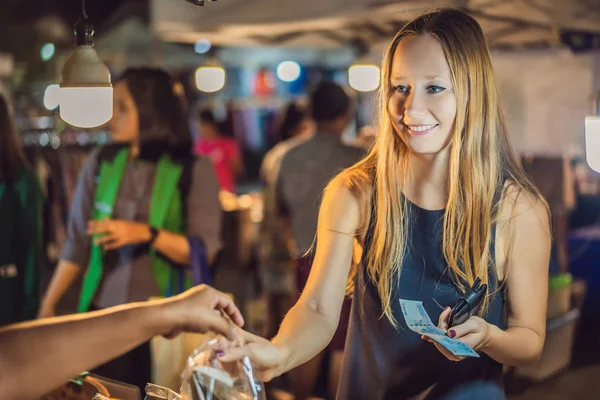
<point x="115" y="233"/>
<point x="474" y="332"/>
<point x="267" y="358"/>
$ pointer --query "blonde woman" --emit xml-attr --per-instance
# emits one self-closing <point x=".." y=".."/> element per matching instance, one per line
<point x="439" y="202"/>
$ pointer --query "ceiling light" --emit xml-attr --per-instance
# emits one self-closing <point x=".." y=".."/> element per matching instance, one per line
<point x="288" y="71"/>
<point x="363" y="77"/>
<point x="86" y="90"/>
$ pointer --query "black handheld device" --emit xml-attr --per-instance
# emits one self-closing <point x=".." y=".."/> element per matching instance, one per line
<point x="469" y="304"/>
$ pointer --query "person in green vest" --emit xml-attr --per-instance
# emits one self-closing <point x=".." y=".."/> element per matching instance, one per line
<point x="136" y="204"/>
<point x="20" y="228"/>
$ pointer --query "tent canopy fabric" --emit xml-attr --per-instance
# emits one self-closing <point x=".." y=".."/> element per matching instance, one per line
<point x="363" y="23"/>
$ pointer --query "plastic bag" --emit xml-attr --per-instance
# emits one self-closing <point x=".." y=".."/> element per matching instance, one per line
<point x="169" y="357"/>
<point x="155" y="392"/>
<point x="207" y="378"/>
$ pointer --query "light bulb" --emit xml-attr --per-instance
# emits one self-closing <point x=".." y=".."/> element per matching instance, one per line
<point x="86" y="107"/>
<point x="52" y="96"/>
<point x="592" y="142"/>
<point x="363" y="77"/>
<point x="86" y="90"/>
<point x="210" y="79"/>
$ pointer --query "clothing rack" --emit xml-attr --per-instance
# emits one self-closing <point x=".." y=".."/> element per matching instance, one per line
<point x="52" y="139"/>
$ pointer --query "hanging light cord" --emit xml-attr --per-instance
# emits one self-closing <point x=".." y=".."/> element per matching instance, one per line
<point x="83" y="9"/>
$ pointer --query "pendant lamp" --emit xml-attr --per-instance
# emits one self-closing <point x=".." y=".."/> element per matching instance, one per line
<point x="86" y="98"/>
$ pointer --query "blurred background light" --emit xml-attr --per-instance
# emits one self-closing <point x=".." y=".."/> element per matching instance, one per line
<point x="288" y="71"/>
<point x="210" y="79"/>
<point x="363" y="77"/>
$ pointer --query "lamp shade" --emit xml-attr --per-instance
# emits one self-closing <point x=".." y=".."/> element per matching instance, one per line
<point x="363" y="77"/>
<point x="86" y="107"/>
<point x="592" y="142"/>
<point x="86" y="89"/>
<point x="210" y="79"/>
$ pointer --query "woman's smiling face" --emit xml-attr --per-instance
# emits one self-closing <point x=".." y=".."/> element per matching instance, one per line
<point x="422" y="103"/>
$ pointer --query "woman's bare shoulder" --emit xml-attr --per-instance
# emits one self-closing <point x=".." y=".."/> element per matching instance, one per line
<point x="517" y="200"/>
<point x="346" y="202"/>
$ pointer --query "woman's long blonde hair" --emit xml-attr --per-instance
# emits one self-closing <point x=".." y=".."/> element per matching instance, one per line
<point x="481" y="161"/>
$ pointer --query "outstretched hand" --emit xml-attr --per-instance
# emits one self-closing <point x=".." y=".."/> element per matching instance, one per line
<point x="200" y="309"/>
<point x="267" y="358"/>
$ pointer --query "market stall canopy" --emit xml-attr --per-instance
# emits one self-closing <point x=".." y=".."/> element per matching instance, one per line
<point x="366" y="23"/>
<point x="125" y="39"/>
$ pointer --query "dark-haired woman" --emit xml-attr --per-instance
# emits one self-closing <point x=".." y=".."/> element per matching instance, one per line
<point x="20" y="227"/>
<point x="135" y="206"/>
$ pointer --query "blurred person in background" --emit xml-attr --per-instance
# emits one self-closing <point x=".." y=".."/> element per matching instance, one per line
<point x="224" y="152"/>
<point x="21" y="202"/>
<point x="136" y="207"/>
<point x="294" y="126"/>
<point x="304" y="172"/>
<point x="440" y="201"/>
<point x="365" y="137"/>
<point x="277" y="253"/>
<point x="586" y="183"/>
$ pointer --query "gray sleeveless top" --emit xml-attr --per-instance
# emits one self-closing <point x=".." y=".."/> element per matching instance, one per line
<point x="381" y="362"/>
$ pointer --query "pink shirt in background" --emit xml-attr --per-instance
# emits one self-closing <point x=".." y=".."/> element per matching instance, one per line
<point x="222" y="152"/>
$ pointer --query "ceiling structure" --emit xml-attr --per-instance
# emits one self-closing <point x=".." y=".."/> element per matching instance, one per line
<point x="364" y="24"/>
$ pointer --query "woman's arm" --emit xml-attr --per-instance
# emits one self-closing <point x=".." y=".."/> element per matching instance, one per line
<point x="527" y="234"/>
<point x="526" y="274"/>
<point x="311" y="323"/>
<point x="204" y="214"/>
<point x="76" y="251"/>
<point x="309" y="326"/>
<point x="173" y="245"/>
<point x="36" y="357"/>
<point x="65" y="275"/>
<point x="203" y="220"/>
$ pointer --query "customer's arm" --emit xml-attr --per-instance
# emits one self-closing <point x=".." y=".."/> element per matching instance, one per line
<point x="36" y="357"/>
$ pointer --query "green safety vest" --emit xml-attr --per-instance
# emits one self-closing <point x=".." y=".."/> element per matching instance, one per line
<point x="166" y="212"/>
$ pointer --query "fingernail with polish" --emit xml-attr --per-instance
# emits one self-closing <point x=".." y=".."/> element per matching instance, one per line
<point x="219" y="353"/>
<point x="452" y="333"/>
